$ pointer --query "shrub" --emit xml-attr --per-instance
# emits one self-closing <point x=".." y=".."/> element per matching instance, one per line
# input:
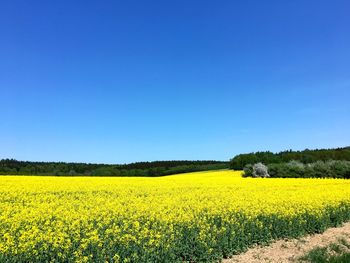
<point x="260" y="170"/>
<point x="248" y="170"/>
<point x="319" y="169"/>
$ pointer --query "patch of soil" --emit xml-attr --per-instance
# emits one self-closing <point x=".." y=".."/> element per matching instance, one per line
<point x="287" y="251"/>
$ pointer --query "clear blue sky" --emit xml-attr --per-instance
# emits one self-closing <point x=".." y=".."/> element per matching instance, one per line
<point x="125" y="81"/>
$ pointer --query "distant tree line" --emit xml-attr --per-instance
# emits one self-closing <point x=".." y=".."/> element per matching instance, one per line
<point x="157" y="168"/>
<point x="306" y="156"/>
<point x="296" y="169"/>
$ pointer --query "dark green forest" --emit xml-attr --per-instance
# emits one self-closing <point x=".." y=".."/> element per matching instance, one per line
<point x="160" y="168"/>
<point x="157" y="168"/>
<point x="305" y="156"/>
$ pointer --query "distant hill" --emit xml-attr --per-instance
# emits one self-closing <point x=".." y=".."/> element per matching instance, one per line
<point x="156" y="168"/>
<point x="305" y="156"/>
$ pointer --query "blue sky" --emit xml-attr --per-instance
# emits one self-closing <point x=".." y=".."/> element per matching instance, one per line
<point x="125" y="81"/>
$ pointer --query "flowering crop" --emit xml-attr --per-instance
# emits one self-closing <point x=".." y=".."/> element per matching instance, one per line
<point x="198" y="217"/>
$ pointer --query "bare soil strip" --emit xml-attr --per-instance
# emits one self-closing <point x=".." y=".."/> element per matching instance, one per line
<point x="287" y="251"/>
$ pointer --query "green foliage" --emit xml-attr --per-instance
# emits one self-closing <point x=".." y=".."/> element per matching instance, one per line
<point x="306" y="156"/>
<point x="319" y="169"/>
<point x="248" y="170"/>
<point x="157" y="168"/>
<point x="334" y="253"/>
<point x="296" y="169"/>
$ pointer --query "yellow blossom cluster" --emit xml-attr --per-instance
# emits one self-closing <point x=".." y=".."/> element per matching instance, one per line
<point x="194" y="217"/>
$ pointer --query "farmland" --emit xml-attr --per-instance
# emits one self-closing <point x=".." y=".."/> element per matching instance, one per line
<point x="201" y="217"/>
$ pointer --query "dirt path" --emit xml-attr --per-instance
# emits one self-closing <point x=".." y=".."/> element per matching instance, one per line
<point x="290" y="250"/>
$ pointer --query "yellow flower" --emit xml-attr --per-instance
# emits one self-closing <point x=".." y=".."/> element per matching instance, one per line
<point x="119" y="219"/>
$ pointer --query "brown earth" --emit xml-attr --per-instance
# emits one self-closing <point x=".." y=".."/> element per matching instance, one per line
<point x="287" y="251"/>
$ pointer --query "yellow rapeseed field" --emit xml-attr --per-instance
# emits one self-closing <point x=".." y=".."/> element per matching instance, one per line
<point x="198" y="217"/>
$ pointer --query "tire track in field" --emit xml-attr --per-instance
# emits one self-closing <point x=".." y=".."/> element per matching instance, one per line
<point x="288" y="251"/>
